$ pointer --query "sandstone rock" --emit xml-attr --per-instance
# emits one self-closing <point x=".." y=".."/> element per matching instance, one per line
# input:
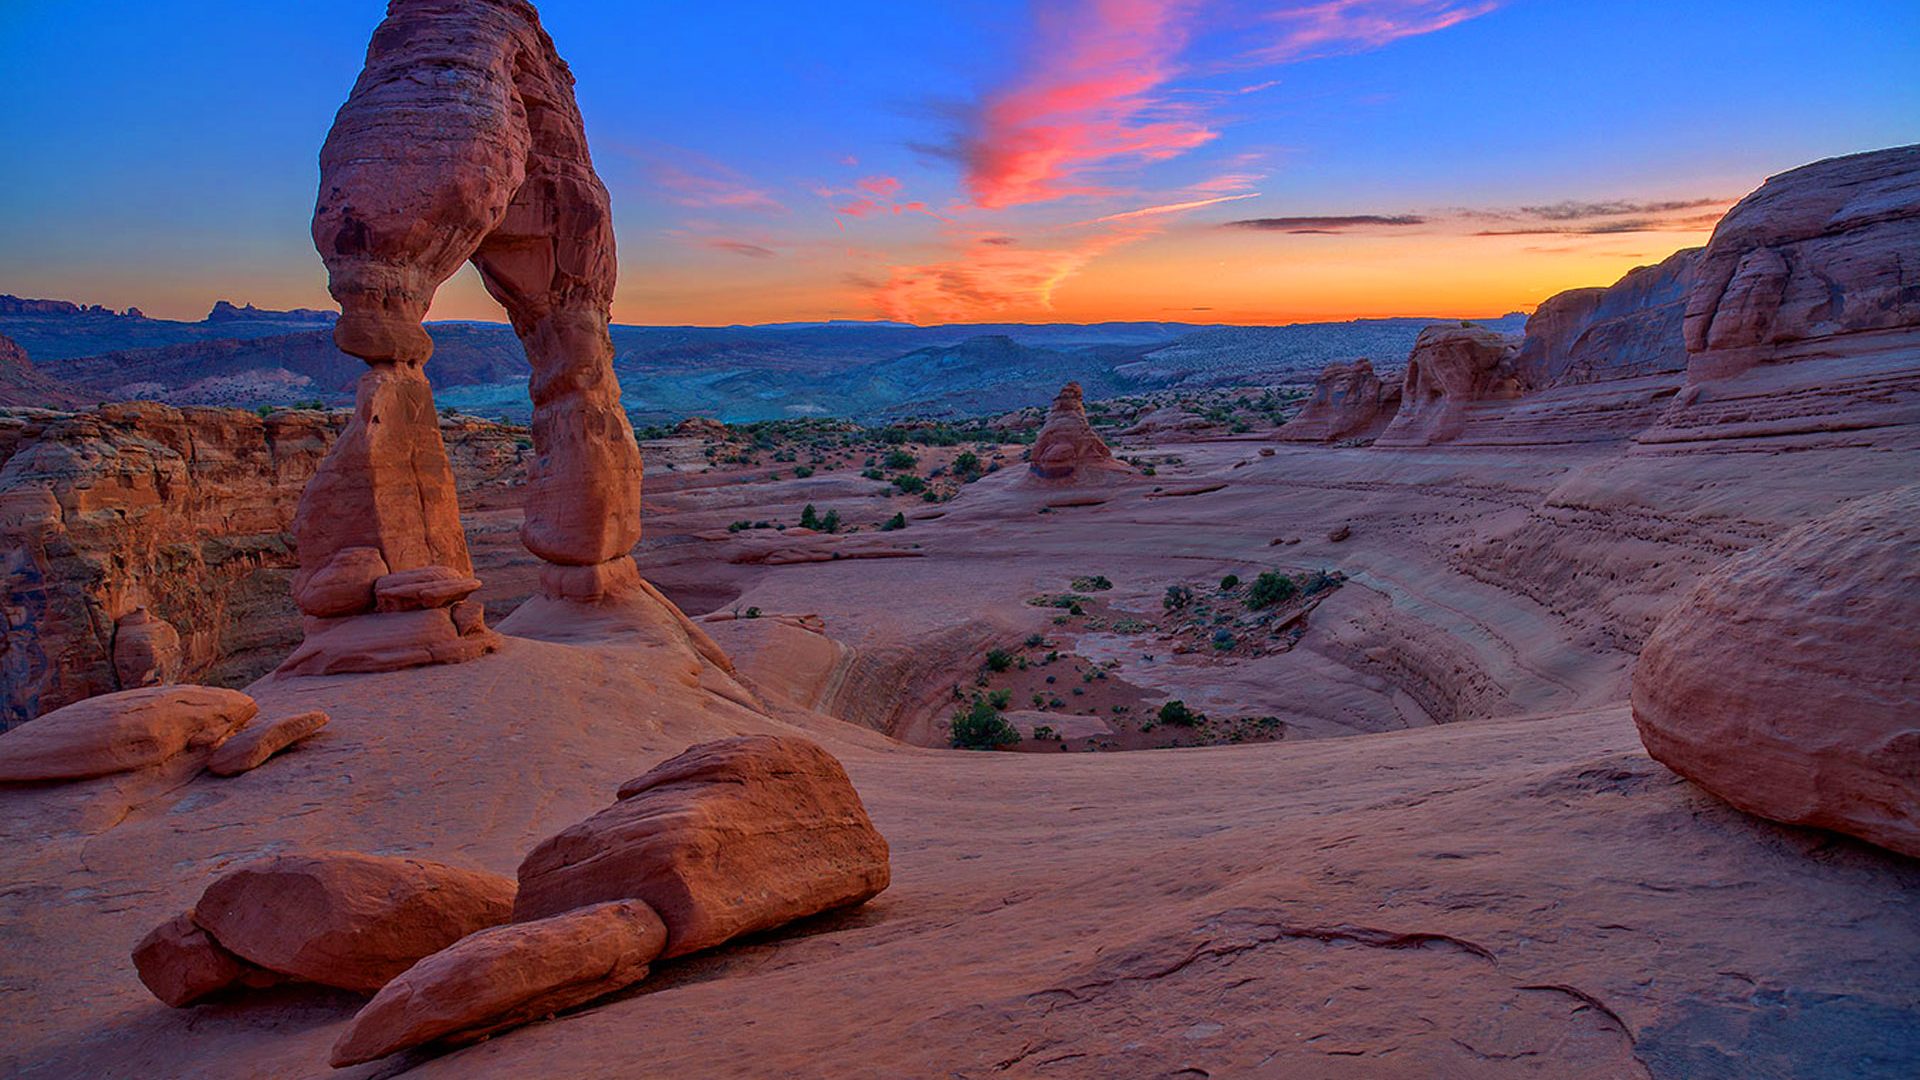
<point x="251" y="748"/>
<point x="728" y="838"/>
<point x="119" y="732"/>
<point x="1820" y="252"/>
<point x="22" y="384"/>
<point x="392" y="640"/>
<point x="1788" y="681"/>
<point x="343" y="585"/>
<point x="1451" y="368"/>
<point x="1067" y="447"/>
<point x="1629" y="329"/>
<point x="1339" y="532"/>
<point x="348" y="920"/>
<point x="702" y="426"/>
<point x="1349" y="401"/>
<point x="505" y="976"/>
<point x="146" y="650"/>
<point x="421" y="588"/>
<point x="461" y="142"/>
<point x="182" y="965"/>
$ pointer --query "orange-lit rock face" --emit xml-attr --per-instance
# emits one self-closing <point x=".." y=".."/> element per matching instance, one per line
<point x="1818" y="253"/>
<point x="1067" y="445"/>
<point x="1451" y="368"/>
<point x="461" y="142"/>
<point x="1349" y="401"/>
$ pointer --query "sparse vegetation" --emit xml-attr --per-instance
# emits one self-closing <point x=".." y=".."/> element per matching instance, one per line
<point x="1177" y="597"/>
<point x="1270" y="588"/>
<point x="1176" y="714"/>
<point x="981" y="727"/>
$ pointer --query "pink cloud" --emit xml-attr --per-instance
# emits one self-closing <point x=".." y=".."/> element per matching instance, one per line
<point x="883" y="186"/>
<point x="1171" y="208"/>
<point x="1088" y="100"/>
<point x="694" y="180"/>
<point x="1334" y="27"/>
<point x="987" y="281"/>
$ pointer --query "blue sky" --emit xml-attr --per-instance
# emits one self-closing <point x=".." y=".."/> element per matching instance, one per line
<point x="988" y="160"/>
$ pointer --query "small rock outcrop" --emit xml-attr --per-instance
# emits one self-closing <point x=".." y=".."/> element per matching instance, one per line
<point x="1628" y="329"/>
<point x="728" y="838"/>
<point x="116" y="733"/>
<point x="23" y="384"/>
<point x="347" y="920"/>
<point x="1817" y="254"/>
<point x="505" y="976"/>
<point x="1451" y="369"/>
<point x="1788" y="681"/>
<point x="184" y="966"/>
<point x="251" y="748"/>
<point x="1349" y="402"/>
<point x="461" y="142"/>
<point x="1067" y="447"/>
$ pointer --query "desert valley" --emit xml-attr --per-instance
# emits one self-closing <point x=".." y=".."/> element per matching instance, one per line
<point x="1530" y="696"/>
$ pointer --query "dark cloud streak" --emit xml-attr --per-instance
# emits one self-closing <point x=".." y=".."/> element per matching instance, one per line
<point x="1317" y="225"/>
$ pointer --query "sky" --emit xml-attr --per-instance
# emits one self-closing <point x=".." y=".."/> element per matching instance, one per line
<point x="1211" y="161"/>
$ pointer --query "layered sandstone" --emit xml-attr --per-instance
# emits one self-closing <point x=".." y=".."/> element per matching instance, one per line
<point x="1067" y="448"/>
<point x="113" y="733"/>
<point x="1817" y="262"/>
<point x="22" y="384"/>
<point x="1349" y="402"/>
<point x="461" y="142"/>
<point x="1788" y="681"/>
<point x="1451" y="369"/>
<point x="142" y="543"/>
<point x="1626" y="330"/>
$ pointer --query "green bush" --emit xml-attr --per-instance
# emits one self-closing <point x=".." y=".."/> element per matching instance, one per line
<point x="894" y="523"/>
<point x="1270" y="588"/>
<point x="899" y="460"/>
<point x="999" y="659"/>
<point x="1176" y="598"/>
<point x="809" y="517"/>
<point x="1231" y="581"/>
<point x="831" y="523"/>
<point x="1092" y="583"/>
<point x="1176" y="714"/>
<point x="981" y="727"/>
<point x="908" y="484"/>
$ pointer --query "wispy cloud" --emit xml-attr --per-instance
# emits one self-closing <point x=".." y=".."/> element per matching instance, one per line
<point x="695" y="180"/>
<point x="984" y="282"/>
<point x="741" y="247"/>
<point x="1336" y="27"/>
<point x="1324" y="223"/>
<point x="1606" y="218"/>
<point x="1171" y="208"/>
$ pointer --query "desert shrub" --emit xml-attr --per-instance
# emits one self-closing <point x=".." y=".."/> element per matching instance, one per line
<point x="1231" y="581"/>
<point x="1176" y="598"/>
<point x="753" y="613"/>
<point x="967" y="465"/>
<point x="894" y="523"/>
<point x="809" y="517"/>
<point x="802" y="471"/>
<point x="900" y="460"/>
<point x="981" y="727"/>
<point x="1223" y="638"/>
<point x="908" y="484"/>
<point x="1000" y="699"/>
<point x="1044" y="731"/>
<point x="873" y="474"/>
<point x="1270" y="588"/>
<point x="831" y="523"/>
<point x="999" y="659"/>
<point x="1034" y="641"/>
<point x="1318" y="582"/>
<point x="1176" y="714"/>
<point x="1092" y="583"/>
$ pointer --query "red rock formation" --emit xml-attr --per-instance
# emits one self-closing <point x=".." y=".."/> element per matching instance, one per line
<point x="1349" y="402"/>
<point x="114" y="733"/>
<point x="182" y="965"/>
<point x="1817" y="253"/>
<point x="461" y="142"/>
<point x="182" y="513"/>
<point x="1067" y="447"/>
<point x="506" y="976"/>
<point x="22" y="384"/>
<point x="251" y="748"/>
<point x="1788" y="682"/>
<point x="728" y="838"/>
<point x="1623" y="331"/>
<point x="1451" y="369"/>
<point x="348" y="920"/>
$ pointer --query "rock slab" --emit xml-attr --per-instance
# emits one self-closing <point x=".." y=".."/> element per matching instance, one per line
<point x="251" y="748"/>
<point x="120" y="732"/>
<point x="1788" y="681"/>
<point x="728" y="838"/>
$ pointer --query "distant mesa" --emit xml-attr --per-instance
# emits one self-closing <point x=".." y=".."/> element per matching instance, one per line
<point x="23" y="384"/>
<point x="226" y="312"/>
<point x="1067" y="448"/>
<point x="17" y="305"/>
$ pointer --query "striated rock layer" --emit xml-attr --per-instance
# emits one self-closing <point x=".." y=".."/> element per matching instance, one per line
<point x="461" y="142"/>
<point x="1451" y="368"/>
<point x="1788" y="682"/>
<point x="1349" y="402"/>
<point x="1626" y="330"/>
<point x="1818" y="253"/>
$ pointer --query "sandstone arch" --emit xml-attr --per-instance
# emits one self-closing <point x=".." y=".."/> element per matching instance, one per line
<point x="460" y="142"/>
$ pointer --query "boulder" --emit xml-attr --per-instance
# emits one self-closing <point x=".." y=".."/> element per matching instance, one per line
<point x="251" y="748"/>
<point x="120" y="732"/>
<point x="343" y="585"/>
<point x="1452" y="367"/>
<point x="1067" y="447"/>
<point x="182" y="965"/>
<point x="348" y="920"/>
<point x="728" y="838"/>
<point x="1788" y="681"/>
<point x="422" y="588"/>
<point x="1816" y="254"/>
<point x="505" y="976"/>
<point x="146" y="650"/>
<point x="1349" y="402"/>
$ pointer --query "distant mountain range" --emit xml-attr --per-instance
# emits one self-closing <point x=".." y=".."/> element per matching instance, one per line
<point x="243" y="355"/>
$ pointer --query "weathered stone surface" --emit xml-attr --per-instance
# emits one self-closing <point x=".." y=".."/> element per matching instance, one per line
<point x="261" y="740"/>
<point x="345" y="919"/>
<point x="22" y="384"/>
<point x="392" y="640"/>
<point x="1819" y="252"/>
<point x="1626" y="330"/>
<point x="728" y="838"/>
<point x="1349" y="402"/>
<point x="146" y="650"/>
<point x="1067" y="447"/>
<point x="343" y="585"/>
<point x="506" y="976"/>
<point x="182" y="965"/>
<point x="422" y="587"/>
<point x="461" y="142"/>
<point x="1451" y="368"/>
<point x="1788" y="681"/>
<point x="119" y="732"/>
